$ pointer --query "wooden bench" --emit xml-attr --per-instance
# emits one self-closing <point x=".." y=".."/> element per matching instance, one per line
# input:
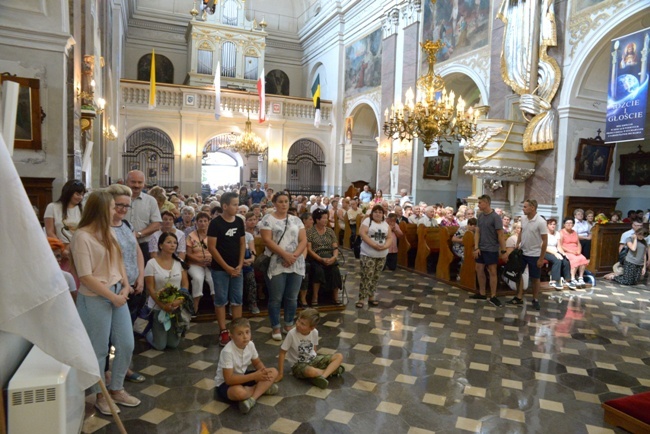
<point x="347" y="233"/>
<point x="446" y="256"/>
<point x="630" y="413"/>
<point x="468" y="268"/>
<point x="428" y="242"/>
<point x="408" y="242"/>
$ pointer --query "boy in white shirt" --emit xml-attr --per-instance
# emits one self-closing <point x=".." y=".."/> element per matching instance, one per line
<point x="234" y="382"/>
<point x="299" y="348"/>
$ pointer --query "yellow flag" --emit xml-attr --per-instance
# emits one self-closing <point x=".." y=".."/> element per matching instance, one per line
<point x="152" y="82"/>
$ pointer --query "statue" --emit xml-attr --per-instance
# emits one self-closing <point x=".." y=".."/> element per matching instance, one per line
<point x="528" y="69"/>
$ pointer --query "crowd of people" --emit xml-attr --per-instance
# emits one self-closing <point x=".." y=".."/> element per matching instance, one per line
<point x="145" y="258"/>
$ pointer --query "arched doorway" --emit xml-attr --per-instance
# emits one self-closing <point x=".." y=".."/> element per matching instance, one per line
<point x="151" y="151"/>
<point x="364" y="148"/>
<point x="305" y="168"/>
<point x="220" y="166"/>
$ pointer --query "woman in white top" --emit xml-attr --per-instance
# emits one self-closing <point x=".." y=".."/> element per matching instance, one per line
<point x="165" y="268"/>
<point x="285" y="240"/>
<point x="103" y="293"/>
<point x="376" y="239"/>
<point x="560" y="266"/>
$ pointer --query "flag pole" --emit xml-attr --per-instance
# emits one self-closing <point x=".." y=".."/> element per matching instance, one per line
<point x="111" y="405"/>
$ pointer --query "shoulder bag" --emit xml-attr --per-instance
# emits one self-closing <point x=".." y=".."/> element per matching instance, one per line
<point x="263" y="261"/>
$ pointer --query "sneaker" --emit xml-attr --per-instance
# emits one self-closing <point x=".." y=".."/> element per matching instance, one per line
<point x="339" y="371"/>
<point x="495" y="302"/>
<point x="557" y="286"/>
<point x="122" y="397"/>
<point x="515" y="301"/>
<point x="320" y="382"/>
<point x="246" y="405"/>
<point x="254" y="309"/>
<point x="478" y="297"/>
<point x="273" y="390"/>
<point x="276" y="335"/>
<point x="536" y="305"/>
<point x="573" y="285"/>
<point x="102" y="406"/>
<point x="581" y="283"/>
<point x="224" y="338"/>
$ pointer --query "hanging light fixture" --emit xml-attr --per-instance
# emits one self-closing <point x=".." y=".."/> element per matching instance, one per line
<point x="431" y="116"/>
<point x="248" y="143"/>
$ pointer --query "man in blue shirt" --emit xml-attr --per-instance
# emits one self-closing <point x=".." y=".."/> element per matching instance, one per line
<point x="366" y="195"/>
<point x="257" y="195"/>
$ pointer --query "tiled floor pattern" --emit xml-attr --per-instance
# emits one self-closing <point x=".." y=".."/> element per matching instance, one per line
<point x="428" y="359"/>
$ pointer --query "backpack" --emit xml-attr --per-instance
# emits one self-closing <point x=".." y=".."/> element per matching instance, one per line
<point x="515" y="266"/>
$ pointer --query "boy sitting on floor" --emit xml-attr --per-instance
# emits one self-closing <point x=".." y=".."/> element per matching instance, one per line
<point x="234" y="382"/>
<point x="299" y="348"/>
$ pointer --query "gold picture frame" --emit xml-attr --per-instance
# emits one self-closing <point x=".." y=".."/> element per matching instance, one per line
<point x="28" y="116"/>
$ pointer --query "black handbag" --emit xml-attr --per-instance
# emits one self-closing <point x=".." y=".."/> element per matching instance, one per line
<point x="263" y="261"/>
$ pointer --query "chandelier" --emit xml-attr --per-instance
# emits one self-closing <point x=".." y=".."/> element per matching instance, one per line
<point x="432" y="117"/>
<point x="248" y="143"/>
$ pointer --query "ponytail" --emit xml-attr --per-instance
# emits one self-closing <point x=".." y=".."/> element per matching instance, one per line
<point x="183" y="263"/>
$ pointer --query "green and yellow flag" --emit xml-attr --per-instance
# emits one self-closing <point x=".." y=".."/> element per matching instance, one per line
<point x="315" y="91"/>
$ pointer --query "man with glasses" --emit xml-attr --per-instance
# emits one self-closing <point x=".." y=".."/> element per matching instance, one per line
<point x="144" y="214"/>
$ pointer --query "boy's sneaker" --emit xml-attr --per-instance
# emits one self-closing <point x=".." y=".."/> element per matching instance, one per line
<point x="515" y="302"/>
<point x="246" y="405"/>
<point x="224" y="338"/>
<point x="339" y="371"/>
<point x="102" y="406"/>
<point x="478" y="297"/>
<point x="536" y="305"/>
<point x="573" y="285"/>
<point x="495" y="302"/>
<point x="581" y="283"/>
<point x="320" y="382"/>
<point x="273" y="390"/>
<point x="254" y="309"/>
<point x="123" y="398"/>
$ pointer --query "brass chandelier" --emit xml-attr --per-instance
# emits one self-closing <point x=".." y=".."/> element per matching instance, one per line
<point x="432" y="117"/>
<point x="248" y="143"/>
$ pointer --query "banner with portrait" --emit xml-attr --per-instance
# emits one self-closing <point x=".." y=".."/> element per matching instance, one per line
<point x="347" y="148"/>
<point x="627" y="96"/>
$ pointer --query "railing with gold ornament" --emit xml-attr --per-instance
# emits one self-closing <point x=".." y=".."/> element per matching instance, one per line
<point x="135" y="95"/>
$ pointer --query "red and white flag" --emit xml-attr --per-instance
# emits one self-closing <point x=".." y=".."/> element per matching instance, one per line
<point x="261" y="90"/>
<point x="217" y="92"/>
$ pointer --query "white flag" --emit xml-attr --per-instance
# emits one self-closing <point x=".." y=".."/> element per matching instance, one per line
<point x="36" y="302"/>
<point x="217" y="92"/>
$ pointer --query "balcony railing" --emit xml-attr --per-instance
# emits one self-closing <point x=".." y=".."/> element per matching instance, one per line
<point x="135" y="95"/>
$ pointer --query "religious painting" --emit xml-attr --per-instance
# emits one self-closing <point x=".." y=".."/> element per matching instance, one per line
<point x="438" y="168"/>
<point x="363" y="64"/>
<point x="153" y="173"/>
<point x="254" y="173"/>
<point x="461" y="25"/>
<point x="594" y="159"/>
<point x="635" y="168"/>
<point x="277" y="82"/>
<point x="28" y="113"/>
<point x="135" y="165"/>
<point x="164" y="168"/>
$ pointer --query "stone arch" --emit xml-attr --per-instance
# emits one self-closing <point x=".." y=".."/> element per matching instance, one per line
<point x="277" y="82"/>
<point x="466" y="82"/>
<point x="164" y="69"/>
<point x="216" y="145"/>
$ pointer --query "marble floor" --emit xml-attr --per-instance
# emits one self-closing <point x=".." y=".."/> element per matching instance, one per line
<point x="428" y="359"/>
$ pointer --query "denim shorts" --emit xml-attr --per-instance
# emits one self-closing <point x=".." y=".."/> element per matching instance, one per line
<point x="227" y="288"/>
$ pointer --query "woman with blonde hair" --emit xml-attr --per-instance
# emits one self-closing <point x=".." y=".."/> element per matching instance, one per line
<point x="103" y="294"/>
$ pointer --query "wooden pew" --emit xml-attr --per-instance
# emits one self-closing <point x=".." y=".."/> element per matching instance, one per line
<point x="468" y="269"/>
<point x="337" y="229"/>
<point x="428" y="242"/>
<point x="406" y="243"/>
<point x="446" y="256"/>
<point x="347" y="233"/>
<point x="259" y="246"/>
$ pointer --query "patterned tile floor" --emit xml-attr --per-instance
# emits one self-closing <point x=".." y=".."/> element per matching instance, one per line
<point x="428" y="359"/>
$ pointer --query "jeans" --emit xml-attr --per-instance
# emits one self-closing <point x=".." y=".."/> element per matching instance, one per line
<point x="283" y="290"/>
<point x="559" y="267"/>
<point x="227" y="288"/>
<point x="102" y="321"/>
<point x="163" y="338"/>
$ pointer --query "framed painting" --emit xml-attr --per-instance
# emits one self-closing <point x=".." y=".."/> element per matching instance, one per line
<point x="593" y="160"/>
<point x="28" y="115"/>
<point x="635" y="168"/>
<point x="439" y="167"/>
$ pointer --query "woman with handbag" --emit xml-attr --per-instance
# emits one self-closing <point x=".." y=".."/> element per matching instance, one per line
<point x="323" y="251"/>
<point x="285" y="240"/>
<point x="165" y="269"/>
<point x="103" y="294"/>
<point x="199" y="258"/>
<point x="376" y="239"/>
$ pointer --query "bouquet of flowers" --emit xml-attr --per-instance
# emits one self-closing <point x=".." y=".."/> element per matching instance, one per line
<point x="601" y="219"/>
<point x="181" y="316"/>
<point x="170" y="294"/>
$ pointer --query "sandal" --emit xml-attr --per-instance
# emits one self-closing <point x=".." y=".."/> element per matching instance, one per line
<point x="135" y="377"/>
<point x="314" y="303"/>
<point x="359" y="305"/>
<point x="373" y="302"/>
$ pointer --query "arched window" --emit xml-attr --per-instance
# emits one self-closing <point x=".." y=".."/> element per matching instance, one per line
<point x="228" y="59"/>
<point x="305" y="167"/>
<point x="220" y="166"/>
<point x="164" y="69"/>
<point x="152" y="152"/>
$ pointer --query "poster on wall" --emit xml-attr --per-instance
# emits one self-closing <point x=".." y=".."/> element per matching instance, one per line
<point x="347" y="148"/>
<point x="627" y="94"/>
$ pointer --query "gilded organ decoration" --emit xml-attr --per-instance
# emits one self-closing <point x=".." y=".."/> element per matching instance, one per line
<point x="527" y="67"/>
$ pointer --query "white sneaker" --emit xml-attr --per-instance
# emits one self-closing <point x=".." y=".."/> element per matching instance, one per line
<point x="121" y="397"/>
<point x="276" y="335"/>
<point x="102" y="406"/>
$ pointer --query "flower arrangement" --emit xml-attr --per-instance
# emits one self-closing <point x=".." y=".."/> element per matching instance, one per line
<point x="170" y="294"/>
<point x="601" y="219"/>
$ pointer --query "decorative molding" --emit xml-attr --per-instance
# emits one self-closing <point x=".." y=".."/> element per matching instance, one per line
<point x="372" y="97"/>
<point x="411" y="12"/>
<point x="390" y="22"/>
<point x="586" y="22"/>
<point x="502" y="173"/>
<point x="154" y="25"/>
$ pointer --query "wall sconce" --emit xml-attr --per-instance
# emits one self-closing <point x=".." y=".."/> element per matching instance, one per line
<point x="188" y="156"/>
<point x="276" y="160"/>
<point x="384" y="150"/>
<point x="403" y="148"/>
<point x="101" y="104"/>
<point x="110" y="133"/>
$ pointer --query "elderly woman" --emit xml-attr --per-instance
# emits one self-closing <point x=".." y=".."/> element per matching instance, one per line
<point x="449" y="219"/>
<point x="199" y="258"/>
<point x="569" y="245"/>
<point x="323" y="251"/>
<point x="560" y="266"/>
<point x="167" y="225"/>
<point x="186" y="223"/>
<point x="159" y="194"/>
<point x="583" y="229"/>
